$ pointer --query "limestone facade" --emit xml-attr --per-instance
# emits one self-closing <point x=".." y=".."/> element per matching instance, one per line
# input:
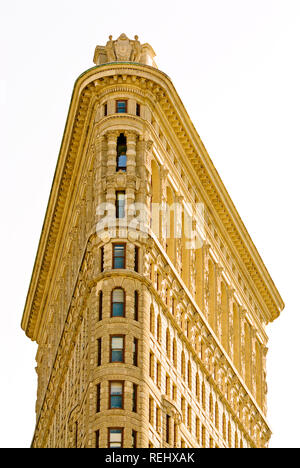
<point x="151" y="328"/>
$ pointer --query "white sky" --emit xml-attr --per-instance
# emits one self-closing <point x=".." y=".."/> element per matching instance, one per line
<point x="235" y="64"/>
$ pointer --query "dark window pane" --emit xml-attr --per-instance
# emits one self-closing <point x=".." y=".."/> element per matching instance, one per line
<point x="117" y="355"/>
<point x="118" y="310"/>
<point x="121" y="107"/>
<point x="116" y="401"/>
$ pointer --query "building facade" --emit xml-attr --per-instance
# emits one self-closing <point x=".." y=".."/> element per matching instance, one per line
<point x="148" y="299"/>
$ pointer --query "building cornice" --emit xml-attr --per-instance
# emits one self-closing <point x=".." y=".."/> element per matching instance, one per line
<point x="159" y="87"/>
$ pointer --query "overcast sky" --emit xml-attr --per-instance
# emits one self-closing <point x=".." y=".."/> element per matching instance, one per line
<point x="235" y="65"/>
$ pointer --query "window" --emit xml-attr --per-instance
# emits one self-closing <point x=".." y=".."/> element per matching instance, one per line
<point x="122" y="153"/>
<point x="134" y="439"/>
<point x="115" y="438"/>
<point x="121" y="107"/>
<point x="174" y="393"/>
<point x="105" y="110"/>
<point x="151" y="366"/>
<point x="99" y="351"/>
<point x="151" y="411"/>
<point x="100" y="306"/>
<point x="116" y="392"/>
<point x="118" y="303"/>
<point x="189" y="418"/>
<point x="120" y="205"/>
<point x="102" y="260"/>
<point x="183" y="369"/>
<point x="118" y="256"/>
<point x="97" y="439"/>
<point x="198" y="429"/>
<point x="136" y="259"/>
<point x="168" y="385"/>
<point x="134" y="397"/>
<point x="135" y="352"/>
<point x="138" y="110"/>
<point x="98" y="398"/>
<point x="158" y="329"/>
<point x="158" y="419"/>
<point x="168" y="421"/>
<point x="158" y="375"/>
<point x="117" y="349"/>
<point x="136" y="306"/>
<point x="183" y="410"/>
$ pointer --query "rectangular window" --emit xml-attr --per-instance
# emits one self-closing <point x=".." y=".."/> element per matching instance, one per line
<point x="100" y="306"/>
<point x="99" y="351"/>
<point x="151" y="411"/>
<point x="134" y="439"/>
<point x="116" y="395"/>
<point x="136" y="259"/>
<point x="158" y="375"/>
<point x="189" y="417"/>
<point x="136" y="306"/>
<point x="120" y="204"/>
<point x="135" y="351"/>
<point x="119" y="256"/>
<point x="105" y="110"/>
<point x="117" y="349"/>
<point x="118" y="303"/>
<point x="115" y="438"/>
<point x="102" y="260"/>
<point x="134" y="398"/>
<point x="168" y="421"/>
<point x="138" y="110"/>
<point x="98" y="398"/>
<point x="168" y="385"/>
<point x="151" y="366"/>
<point x="121" y="107"/>
<point x="97" y="439"/>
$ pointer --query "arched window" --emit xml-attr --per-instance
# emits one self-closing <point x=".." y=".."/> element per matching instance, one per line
<point x="121" y="153"/>
<point x="118" y="303"/>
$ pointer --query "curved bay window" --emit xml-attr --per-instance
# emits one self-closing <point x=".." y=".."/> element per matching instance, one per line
<point x="118" y="303"/>
<point x="121" y="153"/>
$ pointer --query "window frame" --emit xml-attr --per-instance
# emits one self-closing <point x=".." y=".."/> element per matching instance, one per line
<point x="118" y="209"/>
<point x="111" y="350"/>
<point x="114" y="256"/>
<point x="112" y="304"/>
<point x="136" y="305"/>
<point x="136" y="259"/>
<point x="109" y="429"/>
<point x="135" y="389"/>
<point x="135" y="353"/>
<point x="126" y="106"/>
<point x="100" y="317"/>
<point x="122" y="383"/>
